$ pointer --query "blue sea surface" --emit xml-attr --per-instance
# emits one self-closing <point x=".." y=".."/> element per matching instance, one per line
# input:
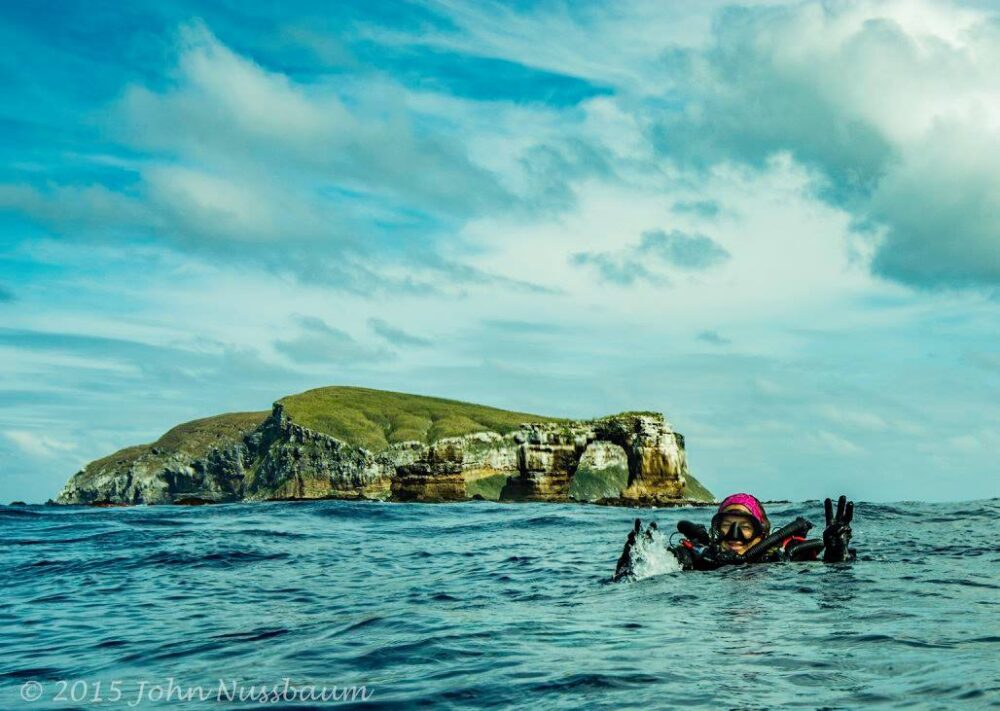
<point x="480" y="604"/>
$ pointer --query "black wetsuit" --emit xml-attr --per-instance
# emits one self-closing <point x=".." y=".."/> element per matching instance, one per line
<point x="700" y="555"/>
<point x="701" y="550"/>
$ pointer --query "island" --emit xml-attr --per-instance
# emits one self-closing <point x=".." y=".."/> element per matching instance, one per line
<point x="358" y="443"/>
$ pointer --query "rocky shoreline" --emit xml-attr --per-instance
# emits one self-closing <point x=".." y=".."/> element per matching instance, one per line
<point x="649" y="503"/>
<point x="628" y="459"/>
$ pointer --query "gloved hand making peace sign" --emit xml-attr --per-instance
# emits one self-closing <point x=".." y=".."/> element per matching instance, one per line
<point x="837" y="535"/>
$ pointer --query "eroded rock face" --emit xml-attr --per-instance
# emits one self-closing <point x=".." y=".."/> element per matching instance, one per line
<point x="294" y="462"/>
<point x="549" y="455"/>
<point x="657" y="462"/>
<point x="158" y="478"/>
<point x="602" y="473"/>
<point x="436" y="474"/>
<point x="547" y="458"/>
<point x="280" y="459"/>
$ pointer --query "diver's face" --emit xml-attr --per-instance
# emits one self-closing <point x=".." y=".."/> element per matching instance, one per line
<point x="745" y="530"/>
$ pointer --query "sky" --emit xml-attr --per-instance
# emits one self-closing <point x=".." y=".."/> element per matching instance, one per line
<point x="778" y="223"/>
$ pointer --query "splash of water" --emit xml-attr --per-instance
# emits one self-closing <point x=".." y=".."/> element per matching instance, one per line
<point x="651" y="556"/>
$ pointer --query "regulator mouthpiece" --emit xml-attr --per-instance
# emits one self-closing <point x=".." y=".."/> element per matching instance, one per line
<point x="736" y="534"/>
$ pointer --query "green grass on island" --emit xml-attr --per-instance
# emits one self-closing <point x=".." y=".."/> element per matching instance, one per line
<point x="193" y="438"/>
<point x="199" y="435"/>
<point x="375" y="419"/>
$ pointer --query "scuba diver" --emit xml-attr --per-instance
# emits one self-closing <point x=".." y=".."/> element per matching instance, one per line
<point x="741" y="534"/>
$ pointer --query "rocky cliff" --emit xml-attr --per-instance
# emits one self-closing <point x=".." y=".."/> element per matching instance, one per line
<point x="359" y="443"/>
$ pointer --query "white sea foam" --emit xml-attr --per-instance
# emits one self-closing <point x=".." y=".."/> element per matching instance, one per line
<point x="650" y="556"/>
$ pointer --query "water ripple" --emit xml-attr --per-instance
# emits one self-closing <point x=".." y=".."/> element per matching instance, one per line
<point x="488" y="605"/>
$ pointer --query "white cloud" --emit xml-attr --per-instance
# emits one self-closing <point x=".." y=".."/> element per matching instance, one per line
<point x="239" y="208"/>
<point x="230" y="114"/>
<point x="836" y="443"/>
<point x="967" y="442"/>
<point x="853" y="418"/>
<point x="319" y="343"/>
<point x="39" y="445"/>
<point x="897" y="104"/>
<point x="794" y="258"/>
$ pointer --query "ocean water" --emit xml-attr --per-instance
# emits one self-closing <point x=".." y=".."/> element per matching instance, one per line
<point x="485" y="605"/>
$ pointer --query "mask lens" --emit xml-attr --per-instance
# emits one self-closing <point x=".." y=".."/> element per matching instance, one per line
<point x="740" y="529"/>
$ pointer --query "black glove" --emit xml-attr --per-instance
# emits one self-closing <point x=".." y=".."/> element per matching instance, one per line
<point x="694" y="532"/>
<point x="624" y="567"/>
<point x="837" y="535"/>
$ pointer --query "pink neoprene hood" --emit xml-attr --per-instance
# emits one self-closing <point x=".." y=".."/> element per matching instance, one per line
<point x="750" y="502"/>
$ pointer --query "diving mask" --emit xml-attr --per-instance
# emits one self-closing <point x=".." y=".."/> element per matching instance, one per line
<point x="736" y="527"/>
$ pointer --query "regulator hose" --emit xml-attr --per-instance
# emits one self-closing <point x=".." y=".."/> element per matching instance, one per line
<point x="694" y="532"/>
<point x="797" y="527"/>
<point x="804" y="550"/>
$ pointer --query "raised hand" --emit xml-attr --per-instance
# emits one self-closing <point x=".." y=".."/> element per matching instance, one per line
<point x="837" y="534"/>
<point x="625" y="561"/>
<point x="694" y="532"/>
<point x="624" y="567"/>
